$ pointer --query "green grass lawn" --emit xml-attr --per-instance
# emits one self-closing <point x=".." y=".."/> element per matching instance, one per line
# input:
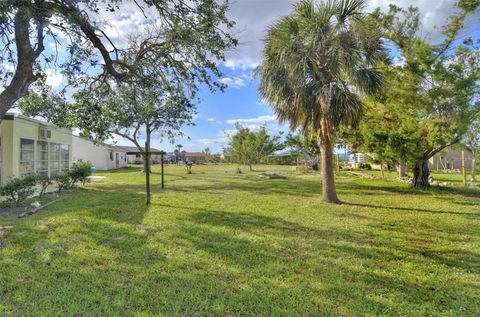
<point x="226" y="244"/>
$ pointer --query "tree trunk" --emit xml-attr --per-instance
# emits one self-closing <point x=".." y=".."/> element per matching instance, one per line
<point x="421" y="174"/>
<point x="474" y="171"/>
<point x="402" y="169"/>
<point x="26" y="56"/>
<point x="381" y="170"/>
<point x="147" y="165"/>
<point x="329" y="193"/>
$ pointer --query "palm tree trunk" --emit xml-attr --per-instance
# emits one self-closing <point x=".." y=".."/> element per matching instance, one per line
<point x="329" y="193"/>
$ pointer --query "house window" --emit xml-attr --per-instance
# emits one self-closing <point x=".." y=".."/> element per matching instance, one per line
<point x="27" y="156"/>
<point x="54" y="163"/>
<point x="42" y="158"/>
<point x="111" y="155"/>
<point x="64" y="157"/>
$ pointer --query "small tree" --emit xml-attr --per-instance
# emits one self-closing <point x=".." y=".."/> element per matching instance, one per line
<point x="304" y="147"/>
<point x="63" y="181"/>
<point x="44" y="181"/>
<point x="18" y="189"/>
<point x="251" y="147"/>
<point x="80" y="172"/>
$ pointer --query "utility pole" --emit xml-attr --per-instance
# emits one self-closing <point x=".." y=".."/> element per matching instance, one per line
<point x="464" y="171"/>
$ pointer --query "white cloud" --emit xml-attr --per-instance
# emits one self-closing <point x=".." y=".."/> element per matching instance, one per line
<point x="211" y="119"/>
<point x="252" y="18"/>
<point x="54" y="79"/>
<point x="234" y="82"/>
<point x="270" y="122"/>
<point x="258" y="120"/>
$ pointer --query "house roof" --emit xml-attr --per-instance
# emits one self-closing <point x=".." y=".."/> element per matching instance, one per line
<point x="187" y="154"/>
<point x="134" y="149"/>
<point x="109" y="146"/>
<point x="14" y="116"/>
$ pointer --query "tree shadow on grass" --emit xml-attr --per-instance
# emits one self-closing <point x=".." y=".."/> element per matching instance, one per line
<point x="413" y="209"/>
<point x="285" y="246"/>
<point x="297" y="187"/>
<point x="231" y="263"/>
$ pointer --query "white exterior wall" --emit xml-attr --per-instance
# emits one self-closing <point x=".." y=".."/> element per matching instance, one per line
<point x="101" y="156"/>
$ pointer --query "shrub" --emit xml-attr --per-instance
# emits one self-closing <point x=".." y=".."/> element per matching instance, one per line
<point x="80" y="171"/>
<point x="18" y="189"/>
<point x="365" y="166"/>
<point x="44" y="181"/>
<point x="63" y="181"/>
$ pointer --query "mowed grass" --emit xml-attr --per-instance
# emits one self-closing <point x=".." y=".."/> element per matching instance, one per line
<point x="217" y="243"/>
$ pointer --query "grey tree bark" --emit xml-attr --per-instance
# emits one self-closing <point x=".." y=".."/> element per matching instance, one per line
<point x="329" y="193"/>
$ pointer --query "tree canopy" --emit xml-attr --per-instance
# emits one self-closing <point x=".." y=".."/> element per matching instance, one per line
<point x="187" y="38"/>
<point x="250" y="147"/>
<point x="430" y="97"/>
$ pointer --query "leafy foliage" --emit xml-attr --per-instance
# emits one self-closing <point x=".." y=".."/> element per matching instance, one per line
<point x="304" y="148"/>
<point x="44" y="181"/>
<point x="430" y="98"/>
<point x="249" y="147"/>
<point x="63" y="181"/>
<point x="18" y="189"/>
<point x="184" y="37"/>
<point x="80" y="171"/>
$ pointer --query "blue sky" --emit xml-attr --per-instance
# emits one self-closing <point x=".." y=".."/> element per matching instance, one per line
<point x="218" y="112"/>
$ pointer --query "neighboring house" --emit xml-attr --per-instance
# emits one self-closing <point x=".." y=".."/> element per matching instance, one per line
<point x="102" y="156"/>
<point x="134" y="156"/>
<point x="283" y="157"/>
<point x="197" y="157"/>
<point x="226" y="157"/>
<point x="170" y="157"/>
<point x="451" y="160"/>
<point x="356" y="158"/>
<point x="32" y="146"/>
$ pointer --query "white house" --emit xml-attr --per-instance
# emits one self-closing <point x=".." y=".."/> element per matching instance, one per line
<point x="101" y="156"/>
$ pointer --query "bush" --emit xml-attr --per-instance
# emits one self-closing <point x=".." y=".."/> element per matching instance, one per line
<point x="365" y="166"/>
<point x="44" y="181"/>
<point x="63" y="181"/>
<point x="18" y="189"/>
<point x="80" y="171"/>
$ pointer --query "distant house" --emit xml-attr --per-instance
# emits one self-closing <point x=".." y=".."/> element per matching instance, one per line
<point x="102" y="156"/>
<point x="226" y="157"/>
<point x="283" y="157"/>
<point x="197" y="157"/>
<point x="134" y="156"/>
<point x="356" y="158"/>
<point x="451" y="160"/>
<point x="32" y="146"/>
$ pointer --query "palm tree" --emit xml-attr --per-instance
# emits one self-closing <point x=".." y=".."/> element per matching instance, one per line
<point x="317" y="63"/>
